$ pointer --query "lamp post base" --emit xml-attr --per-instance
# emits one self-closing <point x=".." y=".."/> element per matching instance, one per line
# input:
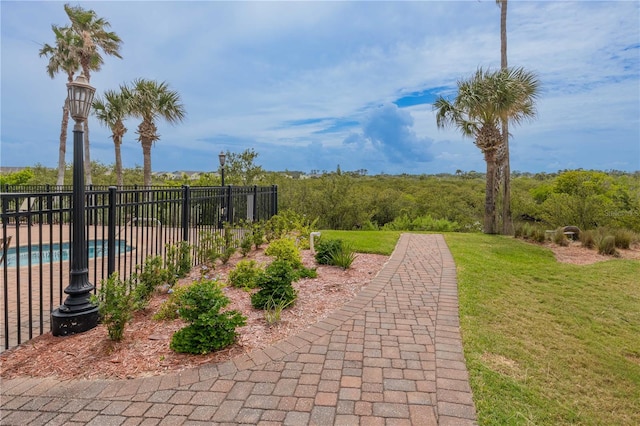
<point x="65" y="324"/>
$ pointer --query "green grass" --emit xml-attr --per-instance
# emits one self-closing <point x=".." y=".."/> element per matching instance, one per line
<point x="546" y="343"/>
<point x="375" y="242"/>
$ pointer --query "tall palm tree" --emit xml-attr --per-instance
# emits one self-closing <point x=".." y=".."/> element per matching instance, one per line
<point x="483" y="101"/>
<point x="94" y="38"/>
<point x="151" y="101"/>
<point x="111" y="111"/>
<point x="507" y="223"/>
<point x="62" y="58"/>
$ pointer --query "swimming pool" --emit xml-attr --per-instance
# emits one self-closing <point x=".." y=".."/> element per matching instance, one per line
<point x="57" y="252"/>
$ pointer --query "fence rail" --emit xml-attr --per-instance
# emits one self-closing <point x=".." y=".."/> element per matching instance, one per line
<point x="124" y="226"/>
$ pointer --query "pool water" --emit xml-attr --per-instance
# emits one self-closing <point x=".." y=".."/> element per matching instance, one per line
<point x="56" y="252"/>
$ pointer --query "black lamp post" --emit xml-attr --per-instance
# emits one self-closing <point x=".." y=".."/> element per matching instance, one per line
<point x="77" y="313"/>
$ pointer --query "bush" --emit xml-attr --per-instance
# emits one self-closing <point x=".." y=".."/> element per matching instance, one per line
<point x="275" y="285"/>
<point x="169" y="308"/>
<point x="325" y="250"/>
<point x="209" y="329"/>
<point x="607" y="246"/>
<point x="246" y="244"/>
<point x="286" y="250"/>
<point x="115" y="305"/>
<point x="209" y="248"/>
<point x="257" y="234"/>
<point x="178" y="260"/>
<point x="148" y="278"/>
<point x="245" y="274"/>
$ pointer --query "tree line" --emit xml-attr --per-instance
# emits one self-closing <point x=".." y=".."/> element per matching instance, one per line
<point x="353" y="200"/>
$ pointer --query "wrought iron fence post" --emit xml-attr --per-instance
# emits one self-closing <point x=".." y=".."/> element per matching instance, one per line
<point x="274" y="200"/>
<point x="111" y="232"/>
<point x="186" y="204"/>
<point x="229" y="210"/>
<point x="254" y="214"/>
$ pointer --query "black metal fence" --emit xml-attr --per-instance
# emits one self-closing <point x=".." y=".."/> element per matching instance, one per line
<point x="125" y="225"/>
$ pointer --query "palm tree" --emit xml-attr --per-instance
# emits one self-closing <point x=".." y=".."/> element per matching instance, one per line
<point x="150" y="101"/>
<point x="112" y="111"/>
<point x="507" y="223"/>
<point x="482" y="103"/>
<point x="93" y="37"/>
<point x="62" y="58"/>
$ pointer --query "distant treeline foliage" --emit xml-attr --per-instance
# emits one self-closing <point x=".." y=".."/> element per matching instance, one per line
<point x="444" y="202"/>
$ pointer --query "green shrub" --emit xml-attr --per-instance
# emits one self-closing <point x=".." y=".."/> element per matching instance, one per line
<point x="246" y="244"/>
<point x="179" y="259"/>
<point x="245" y="274"/>
<point x="285" y="249"/>
<point x="209" y="248"/>
<point x="343" y="257"/>
<point x="169" y="308"/>
<point x="607" y="246"/>
<point x="209" y="329"/>
<point x="325" y="249"/>
<point x="148" y="278"/>
<point x="290" y="223"/>
<point x="257" y="234"/>
<point x="115" y="305"/>
<point x="421" y="223"/>
<point x="226" y="254"/>
<point x="275" y="285"/>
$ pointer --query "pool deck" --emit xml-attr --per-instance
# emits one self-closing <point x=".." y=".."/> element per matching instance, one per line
<point x="391" y="356"/>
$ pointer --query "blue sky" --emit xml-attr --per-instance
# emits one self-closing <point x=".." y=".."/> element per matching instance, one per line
<point x="313" y="85"/>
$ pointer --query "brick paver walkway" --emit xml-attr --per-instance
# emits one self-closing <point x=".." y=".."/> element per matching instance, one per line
<point x="391" y="356"/>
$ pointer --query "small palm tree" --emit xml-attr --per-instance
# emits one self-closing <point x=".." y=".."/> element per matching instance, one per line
<point x="150" y="101"/>
<point x="482" y="103"/>
<point x="111" y="111"/>
<point x="62" y="58"/>
<point x="93" y="38"/>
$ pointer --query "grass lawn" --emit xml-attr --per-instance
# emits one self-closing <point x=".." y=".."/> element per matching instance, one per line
<point x="546" y="343"/>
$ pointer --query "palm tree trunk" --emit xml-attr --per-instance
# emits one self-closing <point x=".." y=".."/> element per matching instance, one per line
<point x="120" y="179"/>
<point x="490" y="192"/>
<point x="507" y="221"/>
<point x="87" y="155"/>
<point x="62" y="151"/>
<point x="146" y="153"/>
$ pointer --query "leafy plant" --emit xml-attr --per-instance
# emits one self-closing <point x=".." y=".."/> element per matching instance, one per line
<point x="285" y="249"/>
<point x="226" y="254"/>
<point x="209" y="248"/>
<point x="209" y="329"/>
<point x="148" y="278"/>
<point x="343" y="257"/>
<point x="325" y="249"/>
<point x="245" y="274"/>
<point x="179" y="259"/>
<point x="115" y="305"/>
<point x="169" y="308"/>
<point x="246" y="244"/>
<point x="275" y="285"/>
<point x="257" y="234"/>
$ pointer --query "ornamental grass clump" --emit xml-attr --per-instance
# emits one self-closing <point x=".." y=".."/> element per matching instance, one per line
<point x="209" y="328"/>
